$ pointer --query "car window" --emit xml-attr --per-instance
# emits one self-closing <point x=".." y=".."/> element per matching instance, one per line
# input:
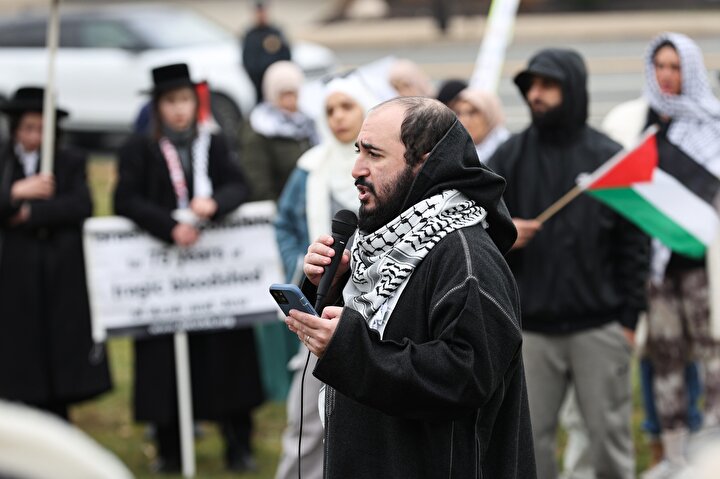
<point x="179" y="30"/>
<point x="23" y="35"/>
<point x="73" y="34"/>
<point x="102" y="34"/>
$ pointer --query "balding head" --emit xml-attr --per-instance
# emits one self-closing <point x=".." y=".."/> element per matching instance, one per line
<point x="394" y="142"/>
<point x="424" y="123"/>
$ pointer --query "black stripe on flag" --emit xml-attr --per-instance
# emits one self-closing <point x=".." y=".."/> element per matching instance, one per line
<point x="687" y="171"/>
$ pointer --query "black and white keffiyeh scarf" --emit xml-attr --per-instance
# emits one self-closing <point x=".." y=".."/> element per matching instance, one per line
<point x="695" y="113"/>
<point x="200" y="150"/>
<point x="383" y="261"/>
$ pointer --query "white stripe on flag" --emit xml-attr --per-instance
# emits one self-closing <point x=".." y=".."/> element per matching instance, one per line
<point x="680" y="205"/>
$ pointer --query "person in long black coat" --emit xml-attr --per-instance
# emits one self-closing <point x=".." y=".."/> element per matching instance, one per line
<point x="223" y="365"/>
<point x="47" y="356"/>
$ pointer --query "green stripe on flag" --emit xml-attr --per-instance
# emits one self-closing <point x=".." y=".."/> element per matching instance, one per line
<point x="650" y="219"/>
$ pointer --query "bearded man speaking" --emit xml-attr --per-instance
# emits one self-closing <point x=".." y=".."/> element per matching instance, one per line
<point x="423" y="364"/>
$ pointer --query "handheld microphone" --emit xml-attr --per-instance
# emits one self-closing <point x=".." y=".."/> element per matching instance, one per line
<point x="344" y="225"/>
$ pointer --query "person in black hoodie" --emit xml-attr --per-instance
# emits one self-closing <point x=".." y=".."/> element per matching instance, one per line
<point x="423" y="364"/>
<point x="581" y="275"/>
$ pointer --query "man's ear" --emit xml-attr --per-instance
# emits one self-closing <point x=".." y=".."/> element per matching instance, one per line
<point x="420" y="163"/>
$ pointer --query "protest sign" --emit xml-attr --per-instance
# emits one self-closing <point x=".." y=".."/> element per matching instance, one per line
<point x="140" y="286"/>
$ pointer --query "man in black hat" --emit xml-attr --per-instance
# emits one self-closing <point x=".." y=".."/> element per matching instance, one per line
<point x="47" y="356"/>
<point x="581" y="275"/>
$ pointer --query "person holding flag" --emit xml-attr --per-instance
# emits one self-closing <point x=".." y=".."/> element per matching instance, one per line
<point x="581" y="274"/>
<point x="685" y="162"/>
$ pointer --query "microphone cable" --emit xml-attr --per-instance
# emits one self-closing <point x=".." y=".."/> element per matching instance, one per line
<point x="344" y="224"/>
<point x="302" y="401"/>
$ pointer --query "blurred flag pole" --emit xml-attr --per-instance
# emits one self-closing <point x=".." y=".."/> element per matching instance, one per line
<point x="49" y="117"/>
<point x="713" y="271"/>
<point x="498" y="34"/>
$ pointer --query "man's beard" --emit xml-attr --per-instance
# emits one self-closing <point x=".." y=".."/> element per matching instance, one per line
<point x="388" y="208"/>
<point x="549" y="118"/>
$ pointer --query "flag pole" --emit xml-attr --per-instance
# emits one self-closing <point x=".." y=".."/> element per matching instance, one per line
<point x="559" y="204"/>
<point x="713" y="272"/>
<point x="48" y="139"/>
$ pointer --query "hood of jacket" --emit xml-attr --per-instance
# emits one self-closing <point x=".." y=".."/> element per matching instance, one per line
<point x="453" y="164"/>
<point x="568" y="68"/>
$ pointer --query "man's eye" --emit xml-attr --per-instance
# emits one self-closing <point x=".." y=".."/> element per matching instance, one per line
<point x="373" y="154"/>
<point x="357" y="149"/>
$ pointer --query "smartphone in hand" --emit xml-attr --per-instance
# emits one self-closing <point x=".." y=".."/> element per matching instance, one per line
<point x="289" y="296"/>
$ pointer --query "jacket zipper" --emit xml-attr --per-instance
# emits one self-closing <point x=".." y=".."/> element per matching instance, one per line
<point x="452" y="443"/>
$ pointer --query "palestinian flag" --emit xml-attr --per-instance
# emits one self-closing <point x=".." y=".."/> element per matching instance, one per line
<point x="663" y="191"/>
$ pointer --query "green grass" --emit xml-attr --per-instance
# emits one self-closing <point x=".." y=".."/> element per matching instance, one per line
<point x="109" y="419"/>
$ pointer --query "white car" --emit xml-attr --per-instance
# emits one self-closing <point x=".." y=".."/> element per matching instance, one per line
<point x="106" y="55"/>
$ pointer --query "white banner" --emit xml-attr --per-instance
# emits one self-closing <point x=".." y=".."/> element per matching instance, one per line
<point x="139" y="285"/>
<point x="498" y="34"/>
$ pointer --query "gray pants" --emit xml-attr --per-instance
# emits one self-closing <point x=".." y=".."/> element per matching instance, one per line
<point x="597" y="363"/>
<point x="312" y="437"/>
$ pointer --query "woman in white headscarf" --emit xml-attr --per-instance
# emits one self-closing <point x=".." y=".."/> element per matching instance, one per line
<point x="277" y="132"/>
<point x="678" y="99"/>
<point x="481" y="114"/>
<point x="321" y="185"/>
<point x="688" y="114"/>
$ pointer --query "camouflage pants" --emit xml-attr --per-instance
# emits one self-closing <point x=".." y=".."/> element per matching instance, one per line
<point x="679" y="332"/>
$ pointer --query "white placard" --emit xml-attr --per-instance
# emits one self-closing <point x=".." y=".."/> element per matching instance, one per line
<point x="498" y="34"/>
<point x="139" y="285"/>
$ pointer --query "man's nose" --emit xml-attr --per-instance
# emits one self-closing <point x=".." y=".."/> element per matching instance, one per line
<point x="359" y="168"/>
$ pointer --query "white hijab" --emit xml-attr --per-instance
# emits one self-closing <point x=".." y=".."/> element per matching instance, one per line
<point x="330" y="164"/>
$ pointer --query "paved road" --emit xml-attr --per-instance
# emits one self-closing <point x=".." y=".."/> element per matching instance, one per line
<point x="612" y="43"/>
<point x="616" y="67"/>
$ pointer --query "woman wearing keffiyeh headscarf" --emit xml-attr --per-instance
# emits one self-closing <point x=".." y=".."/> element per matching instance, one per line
<point x="678" y="99"/>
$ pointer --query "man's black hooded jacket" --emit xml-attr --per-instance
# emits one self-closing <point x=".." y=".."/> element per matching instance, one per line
<point x="442" y="394"/>
<point x="587" y="266"/>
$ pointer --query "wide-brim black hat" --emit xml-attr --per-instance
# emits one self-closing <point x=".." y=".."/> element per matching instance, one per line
<point x="170" y="77"/>
<point x="28" y="99"/>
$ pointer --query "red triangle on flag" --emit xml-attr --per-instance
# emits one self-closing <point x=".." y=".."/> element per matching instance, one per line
<point x="637" y="166"/>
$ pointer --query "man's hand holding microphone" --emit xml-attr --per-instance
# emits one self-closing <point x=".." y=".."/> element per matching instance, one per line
<point x="326" y="261"/>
